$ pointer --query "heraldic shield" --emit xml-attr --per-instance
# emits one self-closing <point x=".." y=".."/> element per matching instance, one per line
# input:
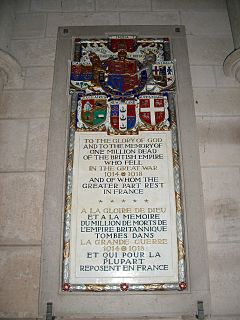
<point x="122" y="73"/>
<point x="152" y="109"/>
<point x="163" y="74"/>
<point x="93" y="110"/>
<point x="79" y="75"/>
<point x="123" y="115"/>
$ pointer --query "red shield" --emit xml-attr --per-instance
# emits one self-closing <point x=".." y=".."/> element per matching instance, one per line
<point x="152" y="109"/>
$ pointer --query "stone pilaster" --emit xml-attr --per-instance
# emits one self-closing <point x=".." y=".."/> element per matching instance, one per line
<point x="231" y="65"/>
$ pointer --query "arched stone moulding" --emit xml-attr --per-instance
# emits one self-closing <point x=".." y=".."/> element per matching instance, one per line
<point x="231" y="65"/>
<point x="11" y="74"/>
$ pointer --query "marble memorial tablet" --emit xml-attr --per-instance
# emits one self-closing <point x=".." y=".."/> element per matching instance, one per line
<point x="123" y="221"/>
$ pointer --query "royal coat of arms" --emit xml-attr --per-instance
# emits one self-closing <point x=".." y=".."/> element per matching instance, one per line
<point x="122" y="76"/>
<point x="122" y="73"/>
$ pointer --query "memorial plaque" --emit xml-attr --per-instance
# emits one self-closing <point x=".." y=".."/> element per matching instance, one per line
<point x="123" y="221"/>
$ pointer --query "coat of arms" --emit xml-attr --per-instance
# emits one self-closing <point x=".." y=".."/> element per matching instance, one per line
<point x="122" y="76"/>
<point x="80" y="75"/>
<point x="163" y="75"/>
<point x="153" y="109"/>
<point x="123" y="115"/>
<point x="93" y="110"/>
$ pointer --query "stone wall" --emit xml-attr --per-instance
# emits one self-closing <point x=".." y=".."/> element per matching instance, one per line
<point x="24" y="116"/>
<point x="7" y="16"/>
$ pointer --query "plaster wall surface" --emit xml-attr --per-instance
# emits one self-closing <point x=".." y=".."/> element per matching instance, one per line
<point x="24" y="115"/>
